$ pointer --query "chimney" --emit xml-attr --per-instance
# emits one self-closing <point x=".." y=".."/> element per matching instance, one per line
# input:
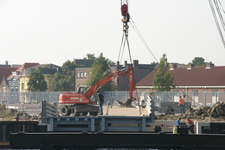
<point x="6" y="62"/>
<point x="209" y="65"/>
<point x="173" y="66"/>
<point x="117" y="63"/>
<point x="135" y="63"/>
<point x="190" y="66"/>
<point x="125" y="63"/>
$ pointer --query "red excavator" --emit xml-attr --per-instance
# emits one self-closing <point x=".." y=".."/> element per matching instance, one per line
<point x="82" y="102"/>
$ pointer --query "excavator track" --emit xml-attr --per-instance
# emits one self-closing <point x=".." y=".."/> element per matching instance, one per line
<point x="79" y="110"/>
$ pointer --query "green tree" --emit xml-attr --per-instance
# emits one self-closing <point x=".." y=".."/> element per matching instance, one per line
<point x="37" y="81"/>
<point x="99" y="70"/>
<point x="111" y="62"/>
<point x="199" y="62"/>
<point x="154" y="63"/>
<point x="163" y="80"/>
<point x="64" y="80"/>
<point x="90" y="56"/>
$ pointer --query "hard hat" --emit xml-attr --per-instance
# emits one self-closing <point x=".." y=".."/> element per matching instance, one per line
<point x="179" y="117"/>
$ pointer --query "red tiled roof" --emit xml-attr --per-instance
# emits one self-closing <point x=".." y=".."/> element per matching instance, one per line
<point x="197" y="76"/>
<point x="5" y="71"/>
<point x="24" y="66"/>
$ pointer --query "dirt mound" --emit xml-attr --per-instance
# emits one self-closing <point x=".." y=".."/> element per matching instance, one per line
<point x="4" y="112"/>
<point x="165" y="117"/>
<point x="217" y="110"/>
<point x="12" y="113"/>
<point x="206" y="114"/>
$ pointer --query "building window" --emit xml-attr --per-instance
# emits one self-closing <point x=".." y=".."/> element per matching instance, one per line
<point x="85" y="74"/>
<point x="176" y="95"/>
<point x="22" y="85"/>
<point x="215" y="96"/>
<point x="81" y="75"/>
<point x="78" y="75"/>
<point x="194" y="97"/>
<point x="3" y="89"/>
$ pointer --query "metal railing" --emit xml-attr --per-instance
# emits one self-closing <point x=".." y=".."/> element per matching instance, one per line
<point x="30" y="102"/>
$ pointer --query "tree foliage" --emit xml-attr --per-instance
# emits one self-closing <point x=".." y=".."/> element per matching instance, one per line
<point x="64" y="80"/>
<point x="154" y="63"/>
<point x="90" y="56"/>
<point x="111" y="62"/>
<point x="99" y="70"/>
<point x="199" y="62"/>
<point x="37" y="81"/>
<point x="163" y="80"/>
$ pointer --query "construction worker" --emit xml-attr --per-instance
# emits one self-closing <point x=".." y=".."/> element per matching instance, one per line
<point x="100" y="101"/>
<point x="190" y="123"/>
<point x="181" y="104"/>
<point x="178" y="121"/>
<point x="142" y="104"/>
<point x="184" y="96"/>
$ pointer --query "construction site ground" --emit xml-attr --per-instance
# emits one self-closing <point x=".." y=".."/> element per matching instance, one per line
<point x="215" y="113"/>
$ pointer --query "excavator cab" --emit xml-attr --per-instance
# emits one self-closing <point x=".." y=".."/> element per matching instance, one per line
<point x="82" y="89"/>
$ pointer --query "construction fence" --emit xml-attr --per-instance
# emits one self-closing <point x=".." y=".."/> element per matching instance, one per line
<point x="195" y="97"/>
<point x="27" y="101"/>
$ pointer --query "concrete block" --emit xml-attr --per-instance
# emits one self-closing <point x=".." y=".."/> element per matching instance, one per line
<point x="198" y="126"/>
<point x="167" y="129"/>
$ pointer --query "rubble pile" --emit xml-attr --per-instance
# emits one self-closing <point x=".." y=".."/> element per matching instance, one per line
<point x="170" y="111"/>
<point x="217" y="110"/>
<point x="165" y="117"/>
<point x="4" y="112"/>
<point x="23" y="116"/>
<point x="214" y="113"/>
<point x="12" y="113"/>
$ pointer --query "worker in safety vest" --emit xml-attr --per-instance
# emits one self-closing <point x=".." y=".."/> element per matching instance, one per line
<point x="190" y="123"/>
<point x="181" y="104"/>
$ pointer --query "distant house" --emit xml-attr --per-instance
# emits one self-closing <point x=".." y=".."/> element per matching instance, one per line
<point x="48" y="71"/>
<point x="14" y="82"/>
<point x="140" y="71"/>
<point x="8" y="65"/>
<point x="4" y="73"/>
<point x="4" y="83"/>
<point x="193" y="81"/>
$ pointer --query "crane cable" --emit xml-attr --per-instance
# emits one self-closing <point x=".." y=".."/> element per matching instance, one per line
<point x="221" y="6"/>
<point x="121" y="47"/>
<point x="216" y="21"/>
<point x="125" y="33"/>
<point x="141" y="37"/>
<point x="219" y="14"/>
<point x="133" y="74"/>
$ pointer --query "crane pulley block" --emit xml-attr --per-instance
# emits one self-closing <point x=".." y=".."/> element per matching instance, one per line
<point x="124" y="10"/>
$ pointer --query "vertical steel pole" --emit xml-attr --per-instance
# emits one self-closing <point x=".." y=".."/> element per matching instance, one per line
<point x="204" y="99"/>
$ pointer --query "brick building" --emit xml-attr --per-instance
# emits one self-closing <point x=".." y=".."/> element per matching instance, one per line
<point x="140" y="71"/>
<point x="197" y="82"/>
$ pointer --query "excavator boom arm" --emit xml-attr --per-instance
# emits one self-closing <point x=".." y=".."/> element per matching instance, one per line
<point x="126" y="71"/>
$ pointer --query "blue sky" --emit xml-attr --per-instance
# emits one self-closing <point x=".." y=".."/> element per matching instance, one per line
<point x="53" y="31"/>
